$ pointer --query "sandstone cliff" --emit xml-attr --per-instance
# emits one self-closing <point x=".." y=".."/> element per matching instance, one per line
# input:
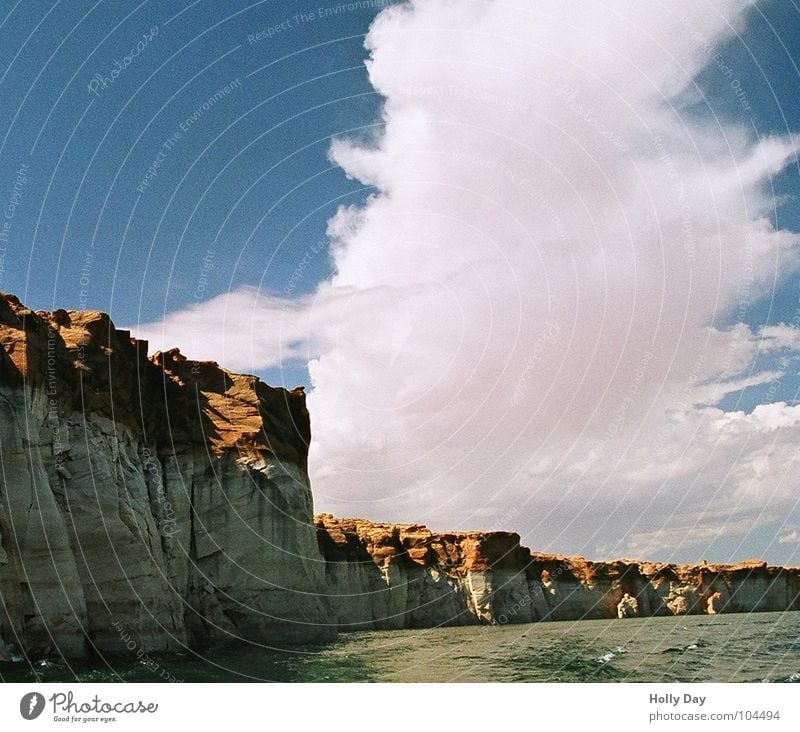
<point x="147" y="504"/>
<point x="405" y="576"/>
<point x="151" y="501"/>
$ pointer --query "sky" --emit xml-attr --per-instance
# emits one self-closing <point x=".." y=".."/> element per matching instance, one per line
<point x="537" y="265"/>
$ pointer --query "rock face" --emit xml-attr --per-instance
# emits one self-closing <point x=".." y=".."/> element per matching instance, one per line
<point x="628" y="607"/>
<point x="151" y="503"/>
<point x="383" y="576"/>
<point x="158" y="500"/>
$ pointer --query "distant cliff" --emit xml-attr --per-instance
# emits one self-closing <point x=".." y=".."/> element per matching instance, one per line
<point x="152" y="503"/>
<point x="405" y="576"/>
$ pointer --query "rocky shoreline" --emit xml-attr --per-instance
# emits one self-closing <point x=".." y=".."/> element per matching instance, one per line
<point x="164" y="502"/>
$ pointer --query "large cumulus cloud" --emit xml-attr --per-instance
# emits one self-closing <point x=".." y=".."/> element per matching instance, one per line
<point x="532" y="321"/>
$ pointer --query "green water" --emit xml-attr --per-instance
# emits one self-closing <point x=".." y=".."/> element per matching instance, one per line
<point x="758" y="647"/>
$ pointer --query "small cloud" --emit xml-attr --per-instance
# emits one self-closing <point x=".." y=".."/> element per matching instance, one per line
<point x="791" y="537"/>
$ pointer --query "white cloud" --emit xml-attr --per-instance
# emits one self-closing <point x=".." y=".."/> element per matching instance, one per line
<point x="243" y="330"/>
<point x="519" y="323"/>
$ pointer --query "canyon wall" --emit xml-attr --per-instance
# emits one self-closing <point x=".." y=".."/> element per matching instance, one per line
<point x="146" y="502"/>
<point x="382" y="576"/>
<point x="153" y="503"/>
<point x="385" y="576"/>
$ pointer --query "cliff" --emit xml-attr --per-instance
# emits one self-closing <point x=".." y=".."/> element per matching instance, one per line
<point x="382" y="576"/>
<point x="405" y="576"/>
<point x="150" y="501"/>
<point x="154" y="503"/>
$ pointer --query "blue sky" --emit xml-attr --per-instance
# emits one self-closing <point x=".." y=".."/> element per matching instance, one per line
<point x="766" y="65"/>
<point x="249" y="182"/>
<point x="241" y="190"/>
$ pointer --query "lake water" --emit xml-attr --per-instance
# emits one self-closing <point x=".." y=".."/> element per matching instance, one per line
<point x="758" y="647"/>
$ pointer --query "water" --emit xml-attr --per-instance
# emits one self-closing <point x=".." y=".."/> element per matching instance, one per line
<point x="758" y="647"/>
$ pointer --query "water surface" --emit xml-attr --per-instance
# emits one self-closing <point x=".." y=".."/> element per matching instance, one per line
<point x="758" y="647"/>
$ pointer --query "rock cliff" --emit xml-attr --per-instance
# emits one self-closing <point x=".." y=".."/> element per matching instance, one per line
<point x="150" y="503"/>
<point x="405" y="576"/>
<point x="382" y="576"/>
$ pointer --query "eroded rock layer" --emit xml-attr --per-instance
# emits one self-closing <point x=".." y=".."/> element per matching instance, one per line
<point x="382" y="576"/>
<point x="155" y="502"/>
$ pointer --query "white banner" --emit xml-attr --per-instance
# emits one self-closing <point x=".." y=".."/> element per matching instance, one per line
<point x="388" y="707"/>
